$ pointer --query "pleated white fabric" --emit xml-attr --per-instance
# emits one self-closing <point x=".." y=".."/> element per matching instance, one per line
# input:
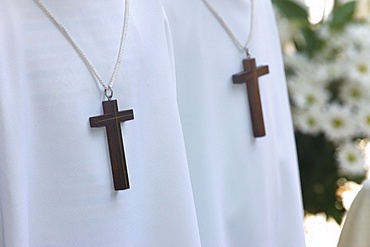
<point x="55" y="177"/>
<point x="247" y="190"/>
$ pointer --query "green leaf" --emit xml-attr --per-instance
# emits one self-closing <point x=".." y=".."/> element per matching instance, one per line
<point x="312" y="42"/>
<point x="342" y="15"/>
<point x="291" y="9"/>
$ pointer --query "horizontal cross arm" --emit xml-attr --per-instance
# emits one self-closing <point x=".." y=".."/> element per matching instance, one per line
<point x="245" y="76"/>
<point x="262" y="70"/>
<point x="109" y="119"/>
<point x="242" y="77"/>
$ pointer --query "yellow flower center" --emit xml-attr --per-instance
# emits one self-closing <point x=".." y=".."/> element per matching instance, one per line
<point x="351" y="158"/>
<point x="311" y="122"/>
<point x="362" y="68"/>
<point x="310" y="99"/>
<point x="337" y="123"/>
<point x="356" y="93"/>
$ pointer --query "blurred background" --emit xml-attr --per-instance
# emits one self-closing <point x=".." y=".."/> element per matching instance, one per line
<point x="326" y="47"/>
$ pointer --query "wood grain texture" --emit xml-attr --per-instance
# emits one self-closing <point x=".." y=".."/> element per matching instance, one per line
<point x="250" y="76"/>
<point x="112" y="119"/>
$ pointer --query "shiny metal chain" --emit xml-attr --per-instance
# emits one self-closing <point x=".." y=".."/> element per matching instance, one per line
<point x="108" y="88"/>
<point x="228" y="29"/>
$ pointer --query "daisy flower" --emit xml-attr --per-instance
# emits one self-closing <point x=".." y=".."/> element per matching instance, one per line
<point x="299" y="63"/>
<point x="309" y="121"/>
<point x="354" y="93"/>
<point x="305" y="93"/>
<point x="351" y="160"/>
<point x="363" y="120"/>
<point x="339" y="124"/>
<point x="357" y="35"/>
<point x="358" y="67"/>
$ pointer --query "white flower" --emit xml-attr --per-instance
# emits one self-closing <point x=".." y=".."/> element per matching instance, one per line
<point x="354" y="93"/>
<point x="309" y="121"/>
<point x="358" y="67"/>
<point x="351" y="160"/>
<point x="305" y="93"/>
<point x="363" y="120"/>
<point x="316" y="70"/>
<point x="339" y="123"/>
<point x="337" y="44"/>
<point x="298" y="63"/>
<point x="358" y="35"/>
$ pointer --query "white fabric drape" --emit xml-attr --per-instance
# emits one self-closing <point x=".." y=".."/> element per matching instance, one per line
<point x="355" y="231"/>
<point x="246" y="190"/>
<point x="55" y="177"/>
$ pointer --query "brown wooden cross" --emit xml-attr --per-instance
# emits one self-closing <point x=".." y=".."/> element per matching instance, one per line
<point x="112" y="119"/>
<point x="250" y="77"/>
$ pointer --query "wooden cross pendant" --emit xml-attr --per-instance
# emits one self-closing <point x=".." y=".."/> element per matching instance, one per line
<point x="112" y="119"/>
<point x="250" y="77"/>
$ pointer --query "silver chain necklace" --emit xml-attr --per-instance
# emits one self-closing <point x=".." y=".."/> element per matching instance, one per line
<point x="228" y="30"/>
<point x="108" y="88"/>
<point x="112" y="117"/>
<point x="250" y="73"/>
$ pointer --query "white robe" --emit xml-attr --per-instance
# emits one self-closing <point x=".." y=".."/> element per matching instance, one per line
<point x="355" y="231"/>
<point x="56" y="185"/>
<point x="247" y="190"/>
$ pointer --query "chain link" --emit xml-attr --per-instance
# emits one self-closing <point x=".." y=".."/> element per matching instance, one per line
<point x="228" y="29"/>
<point x="81" y="53"/>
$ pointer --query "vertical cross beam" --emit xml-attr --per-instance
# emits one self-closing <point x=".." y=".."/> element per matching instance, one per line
<point x="250" y="77"/>
<point x="112" y="119"/>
